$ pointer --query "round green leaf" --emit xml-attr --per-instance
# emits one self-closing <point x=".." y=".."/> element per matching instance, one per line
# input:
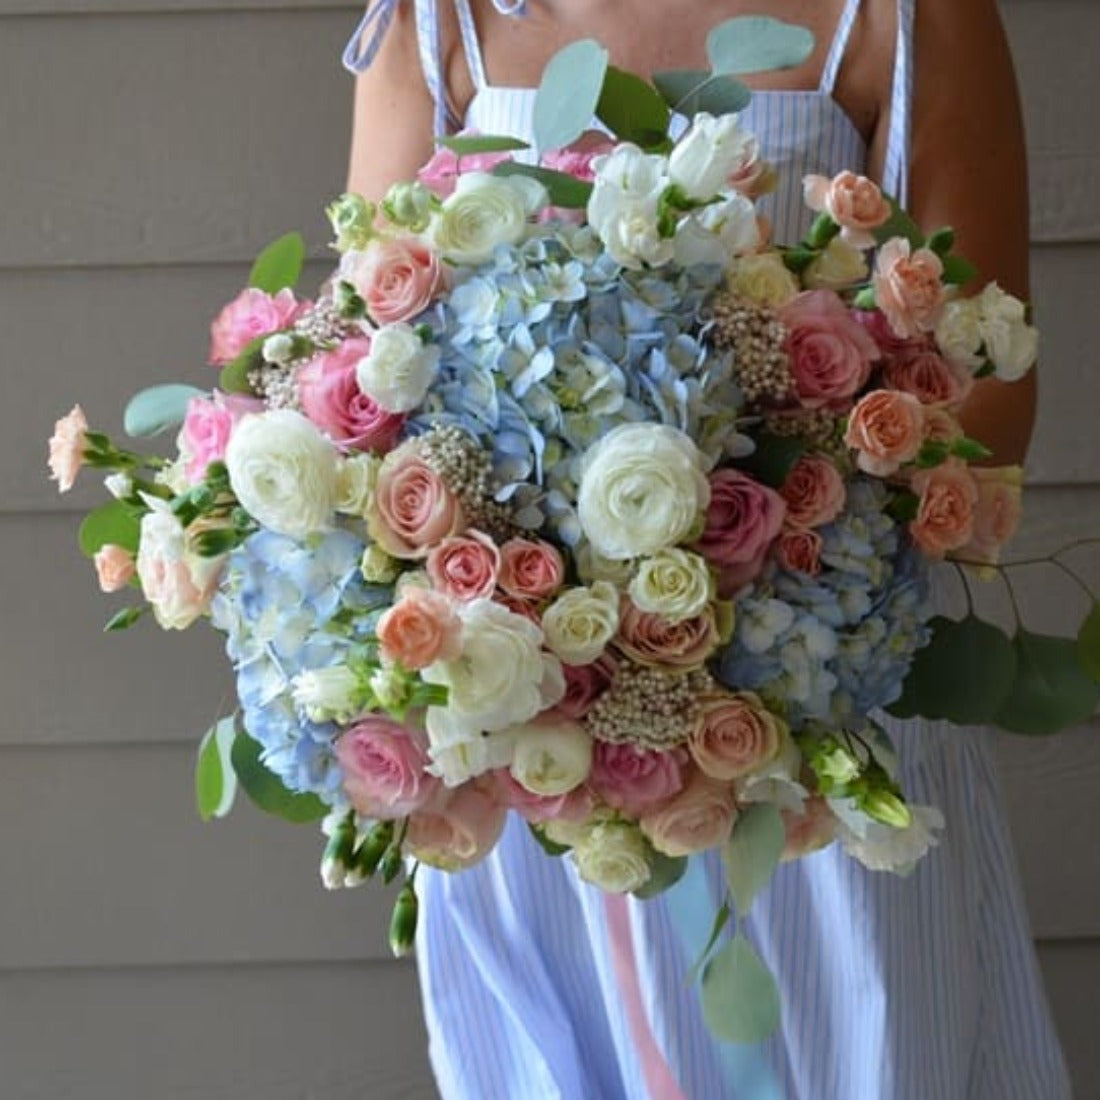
<point x="752" y="852"/>
<point x="757" y="44"/>
<point x="215" y="782"/>
<point x="740" y="997"/>
<point x="1051" y="689"/>
<point x="689" y="91"/>
<point x="157" y="409"/>
<point x="632" y="109"/>
<point x="112" y="523"/>
<point x="279" y="265"/>
<point x="1088" y="642"/>
<point x="565" y="103"/>
<point x="266" y="789"/>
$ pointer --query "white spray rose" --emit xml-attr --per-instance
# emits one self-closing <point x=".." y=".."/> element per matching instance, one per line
<point x="1010" y="342"/>
<point x="674" y="583"/>
<point x="839" y="266"/>
<point x="581" y="621"/>
<point x="178" y="582"/>
<point x="642" y="489"/>
<point x="553" y="755"/>
<point x="283" y="471"/>
<point x="959" y="333"/>
<point x="706" y="156"/>
<point x="484" y="211"/>
<point x="397" y="371"/>
<point x="613" y="856"/>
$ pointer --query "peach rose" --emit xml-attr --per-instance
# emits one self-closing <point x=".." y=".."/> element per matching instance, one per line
<point x="830" y="352"/>
<point x="457" y="829"/>
<point x="929" y="377"/>
<point x="383" y="765"/>
<point x="412" y="508"/>
<point x="808" y="831"/>
<point x="854" y="202"/>
<point x="945" y="516"/>
<point x="886" y="429"/>
<point x="421" y="628"/>
<point x="738" y="735"/>
<point x="701" y="816"/>
<point x="530" y="569"/>
<point x="652" y="639"/>
<point x="465" y="567"/>
<point x="67" y="448"/>
<point x="908" y="287"/>
<point x="996" y="513"/>
<point x="799" y="551"/>
<point x="940" y="426"/>
<point x="114" y="566"/>
<point x="633" y="779"/>
<point x="397" y="278"/>
<point x="814" y="492"/>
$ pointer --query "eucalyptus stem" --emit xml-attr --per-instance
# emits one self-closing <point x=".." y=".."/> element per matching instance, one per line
<point x="965" y="585"/>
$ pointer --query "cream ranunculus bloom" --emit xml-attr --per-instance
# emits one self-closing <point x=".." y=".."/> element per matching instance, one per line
<point x="676" y="584"/>
<point x="959" y="333"/>
<point x="484" y="211"/>
<point x="579" y="624"/>
<point x="613" y="856"/>
<point x="553" y="755"/>
<point x="764" y="279"/>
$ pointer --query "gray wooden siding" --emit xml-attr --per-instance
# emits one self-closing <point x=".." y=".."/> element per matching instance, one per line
<point x="149" y="149"/>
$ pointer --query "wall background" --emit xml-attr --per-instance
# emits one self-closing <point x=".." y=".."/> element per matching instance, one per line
<point x="150" y="147"/>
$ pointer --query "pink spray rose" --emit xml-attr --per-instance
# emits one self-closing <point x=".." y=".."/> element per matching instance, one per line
<point x="530" y="569"/>
<point x="441" y="173"/>
<point x="830" y="352"/>
<point x="251" y="314"/>
<point x="464" y="567"/>
<point x="574" y="805"/>
<point x="633" y="779"/>
<point x="945" y="516"/>
<point x="421" y="628"/>
<point x="701" y="816"/>
<point x="799" y="550"/>
<point x="814" y="492"/>
<point x="854" y="202"/>
<point x="886" y="429"/>
<point x="331" y="398"/>
<point x="207" y="427"/>
<point x="887" y="340"/>
<point x="383" y="766"/>
<point x="738" y="735"/>
<point x="584" y="684"/>
<point x="114" y="566"/>
<point x="908" y="287"/>
<point x="996" y="512"/>
<point x="67" y="448"/>
<point x="928" y="376"/>
<point x="398" y="278"/>
<point x="458" y="828"/>
<point x="652" y="639"/>
<point x="576" y="158"/>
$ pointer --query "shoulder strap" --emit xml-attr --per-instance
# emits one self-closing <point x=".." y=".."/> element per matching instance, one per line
<point x="839" y="46"/>
<point x="895" y="176"/>
<point x="472" y="47"/>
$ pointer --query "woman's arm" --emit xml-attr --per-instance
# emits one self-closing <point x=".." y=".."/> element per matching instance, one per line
<point x="969" y="171"/>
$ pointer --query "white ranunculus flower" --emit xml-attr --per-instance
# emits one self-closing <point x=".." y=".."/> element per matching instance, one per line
<point x="839" y="266"/>
<point x="553" y="755"/>
<point x="356" y="477"/>
<point x="763" y="278"/>
<point x="581" y="621"/>
<point x="613" y="856"/>
<point x="1010" y="342"/>
<point x="484" y="211"/>
<point x="643" y="488"/>
<point x="397" y="371"/>
<point x="704" y="158"/>
<point x="674" y="583"/>
<point x="959" y="333"/>
<point x="283" y="472"/>
<point x="717" y="233"/>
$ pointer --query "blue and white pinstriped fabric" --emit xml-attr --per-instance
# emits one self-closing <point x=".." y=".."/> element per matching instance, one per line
<point x="922" y="988"/>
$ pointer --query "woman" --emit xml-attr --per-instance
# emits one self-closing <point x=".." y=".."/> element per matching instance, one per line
<point x="923" y="988"/>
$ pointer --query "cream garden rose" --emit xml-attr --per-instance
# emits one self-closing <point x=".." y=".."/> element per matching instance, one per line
<point x="553" y="755"/>
<point x="613" y="856"/>
<point x="840" y="265"/>
<point x="581" y="621"/>
<point x="763" y="278"/>
<point x="676" y="584"/>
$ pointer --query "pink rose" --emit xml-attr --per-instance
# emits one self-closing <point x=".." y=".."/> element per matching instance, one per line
<point x="888" y="341"/>
<point x="701" y="816"/>
<point x="908" y="287"/>
<point x="584" y="684"/>
<point x="458" y="829"/>
<point x="808" y="831"/>
<point x="576" y="158"/>
<point x="945" y="516"/>
<point x="330" y="396"/>
<point x="830" y="352"/>
<point x="398" y="278"/>
<point x="421" y="628"/>
<point x="527" y="608"/>
<point x="738" y="735"/>
<point x="814" y="492"/>
<point x="250" y="315"/>
<point x="412" y="508"/>
<point x="651" y="639"/>
<point x="67" y="448"/>
<point x="207" y="427"/>
<point x="743" y="519"/>
<point x="886" y="429"/>
<point x="465" y="567"/>
<point x="441" y="173"/>
<point x="930" y="378"/>
<point x="996" y="512"/>
<point x="530" y="569"/>
<point x="798" y="550"/>
<point x="114" y="566"/>
<point x="383" y="766"/>
<point x="633" y="779"/>
<point x="854" y="202"/>
<point x="177" y="581"/>
<point x="574" y="805"/>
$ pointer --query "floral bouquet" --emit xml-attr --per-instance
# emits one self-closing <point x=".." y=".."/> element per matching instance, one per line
<point x="574" y="495"/>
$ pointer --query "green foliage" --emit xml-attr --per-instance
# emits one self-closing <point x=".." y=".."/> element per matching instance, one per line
<point x="774" y="458"/>
<point x="752" y="852"/>
<point x="234" y="375"/>
<point x="1088" y="643"/>
<point x="546" y="844"/>
<point x="899" y="224"/>
<point x="215" y="781"/>
<point x="632" y="109"/>
<point x="113" y="523"/>
<point x="564" y="190"/>
<point x="958" y="270"/>
<point x="692" y="90"/>
<point x="279" y="265"/>
<point x="123" y="620"/>
<point x="666" y="872"/>
<point x="266" y="789"/>
<point x="942" y="240"/>
<point x="568" y="94"/>
<point x="158" y="408"/>
<point x="757" y="44"/>
<point x="740" y="997"/>
<point x="1051" y="689"/>
<point x="465" y="145"/>
<point x="721" y="919"/>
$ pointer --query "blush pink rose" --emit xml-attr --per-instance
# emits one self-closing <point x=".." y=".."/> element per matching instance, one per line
<point x="886" y="429"/>
<point x="441" y="173"/>
<point x="738" y="735"/>
<point x="383" y="765"/>
<point x="67" y="448"/>
<point x="908" y="287"/>
<point x="412" y="509"/>
<point x="331" y="398"/>
<point x="634" y="779"/>
<point x="887" y="340"/>
<point x="945" y="515"/>
<point x="701" y="816"/>
<point x="855" y="203"/>
<point x="421" y="628"/>
<point x="253" y="313"/>
<point x="830" y="352"/>
<point x="928" y="376"/>
<point x="458" y="828"/>
<point x="464" y="567"/>
<point x="178" y="582"/>
<point x="814" y="492"/>
<point x="752" y="176"/>
<point x="651" y="639"/>
<point x="207" y="426"/>
<point x="576" y="158"/>
<point x="114" y="566"/>
<point x="584" y="684"/>
<point x="996" y="513"/>
<point x="798" y="550"/>
<point x="398" y="278"/>
<point x="574" y="805"/>
<point x="743" y="519"/>
<point x="808" y="831"/>
<point x="529" y="569"/>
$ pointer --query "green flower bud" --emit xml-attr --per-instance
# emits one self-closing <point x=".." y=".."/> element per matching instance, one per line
<point x="409" y="205"/>
<point x="822" y="231"/>
<point x="338" y="854"/>
<point x="391" y="864"/>
<point x="367" y="856"/>
<point x="886" y="808"/>
<point x="403" y="922"/>
<point x="352" y="220"/>
<point x="834" y="764"/>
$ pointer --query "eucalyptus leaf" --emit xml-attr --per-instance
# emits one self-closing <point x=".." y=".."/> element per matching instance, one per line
<point x="565" y="102"/>
<point x="740" y="996"/>
<point x="632" y="109"/>
<point x="215" y="780"/>
<point x="111" y="524"/>
<point x="1088" y="642"/>
<point x="157" y="409"/>
<point x="774" y="458"/>
<point x="1051" y="689"/>
<point x="564" y="190"/>
<point x="689" y="91"/>
<point x="279" y="265"/>
<point x="266" y="789"/>
<point x="465" y="145"/>
<point x="752" y="852"/>
<point x="665" y="872"/>
<point x="757" y="44"/>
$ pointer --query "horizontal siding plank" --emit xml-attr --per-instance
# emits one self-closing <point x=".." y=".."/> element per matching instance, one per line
<point x="318" y="1032"/>
<point x="1071" y="971"/>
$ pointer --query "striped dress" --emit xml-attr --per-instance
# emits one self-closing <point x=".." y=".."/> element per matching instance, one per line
<point x="917" y="988"/>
